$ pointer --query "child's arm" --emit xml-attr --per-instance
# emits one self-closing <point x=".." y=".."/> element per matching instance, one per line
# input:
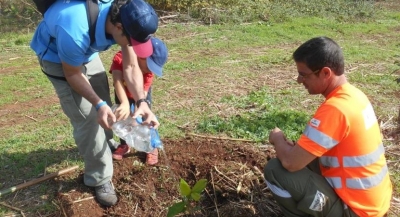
<point x="123" y="111"/>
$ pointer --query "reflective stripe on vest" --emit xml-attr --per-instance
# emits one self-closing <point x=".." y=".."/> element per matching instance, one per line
<point x="367" y="182"/>
<point x="335" y="182"/>
<point x="357" y="161"/>
<point x="320" y="138"/>
<point x="364" y="160"/>
<point x="329" y="161"/>
<point x="348" y="162"/>
<point x="359" y="183"/>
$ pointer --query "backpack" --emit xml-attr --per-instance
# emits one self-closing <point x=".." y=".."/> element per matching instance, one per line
<point x="92" y="11"/>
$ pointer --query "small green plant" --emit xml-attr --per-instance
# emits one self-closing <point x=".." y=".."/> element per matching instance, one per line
<point x="190" y="196"/>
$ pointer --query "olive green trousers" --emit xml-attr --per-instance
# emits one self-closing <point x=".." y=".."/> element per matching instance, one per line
<point x="304" y="192"/>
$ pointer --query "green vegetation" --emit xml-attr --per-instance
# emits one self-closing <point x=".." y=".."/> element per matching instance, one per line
<point x="217" y="12"/>
<point x="190" y="196"/>
<point x="232" y="77"/>
<point x="261" y="115"/>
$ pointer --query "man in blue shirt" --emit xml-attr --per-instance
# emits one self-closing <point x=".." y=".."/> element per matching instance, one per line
<point x="71" y="62"/>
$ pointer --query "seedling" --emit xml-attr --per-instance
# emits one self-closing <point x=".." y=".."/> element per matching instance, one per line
<point x="190" y="197"/>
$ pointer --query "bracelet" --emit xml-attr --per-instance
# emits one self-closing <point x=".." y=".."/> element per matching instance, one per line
<point x="100" y="105"/>
<point x="142" y="100"/>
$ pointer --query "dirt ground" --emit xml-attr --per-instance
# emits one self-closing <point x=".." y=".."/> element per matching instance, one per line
<point x="233" y="170"/>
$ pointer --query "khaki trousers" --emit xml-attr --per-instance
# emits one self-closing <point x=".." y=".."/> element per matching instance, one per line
<point x="92" y="140"/>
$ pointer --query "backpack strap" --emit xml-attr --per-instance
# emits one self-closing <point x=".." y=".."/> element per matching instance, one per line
<point x="92" y="11"/>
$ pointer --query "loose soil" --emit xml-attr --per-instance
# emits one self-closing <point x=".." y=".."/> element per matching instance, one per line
<point x="233" y="169"/>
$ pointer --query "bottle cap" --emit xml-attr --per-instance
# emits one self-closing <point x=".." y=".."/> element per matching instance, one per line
<point x="139" y="120"/>
<point x="155" y="139"/>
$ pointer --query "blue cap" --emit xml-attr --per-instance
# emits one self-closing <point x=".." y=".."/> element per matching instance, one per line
<point x="156" y="61"/>
<point x="140" y="21"/>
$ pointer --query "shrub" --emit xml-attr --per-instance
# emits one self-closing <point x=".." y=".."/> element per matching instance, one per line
<point x="23" y="12"/>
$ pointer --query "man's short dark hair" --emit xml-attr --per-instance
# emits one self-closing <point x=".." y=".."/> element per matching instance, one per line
<point x="321" y="52"/>
<point x="115" y="15"/>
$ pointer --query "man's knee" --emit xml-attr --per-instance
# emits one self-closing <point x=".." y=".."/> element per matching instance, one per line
<point x="271" y="167"/>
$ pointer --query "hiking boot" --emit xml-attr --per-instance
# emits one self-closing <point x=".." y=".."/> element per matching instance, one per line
<point x="120" y="151"/>
<point x="106" y="195"/>
<point x="152" y="157"/>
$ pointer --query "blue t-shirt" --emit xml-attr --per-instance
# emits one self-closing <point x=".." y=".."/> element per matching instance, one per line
<point x="63" y="34"/>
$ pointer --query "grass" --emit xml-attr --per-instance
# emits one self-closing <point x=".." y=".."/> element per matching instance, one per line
<point x="267" y="50"/>
<point x="259" y="115"/>
<point x="235" y="80"/>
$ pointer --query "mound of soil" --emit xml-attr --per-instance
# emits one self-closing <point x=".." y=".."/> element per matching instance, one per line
<point x="233" y="169"/>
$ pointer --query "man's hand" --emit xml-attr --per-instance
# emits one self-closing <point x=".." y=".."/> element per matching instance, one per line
<point x="123" y="111"/>
<point x="275" y="135"/>
<point x="147" y="114"/>
<point x="293" y="157"/>
<point x="105" y="116"/>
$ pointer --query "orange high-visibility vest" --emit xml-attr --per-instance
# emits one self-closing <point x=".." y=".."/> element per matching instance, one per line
<point x="344" y="133"/>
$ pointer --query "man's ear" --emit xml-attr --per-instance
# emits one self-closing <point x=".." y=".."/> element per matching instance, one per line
<point x="327" y="72"/>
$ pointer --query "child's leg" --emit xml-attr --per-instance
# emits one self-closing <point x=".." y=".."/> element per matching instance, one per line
<point x="123" y="148"/>
<point x="152" y="157"/>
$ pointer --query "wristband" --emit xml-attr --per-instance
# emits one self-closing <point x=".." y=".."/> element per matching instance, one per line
<point x="100" y="105"/>
<point x="142" y="100"/>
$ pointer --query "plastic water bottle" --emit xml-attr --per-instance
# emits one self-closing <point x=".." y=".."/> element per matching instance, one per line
<point x="123" y="128"/>
<point x="138" y="136"/>
<point x="133" y="132"/>
<point x="141" y="137"/>
<point x="155" y="139"/>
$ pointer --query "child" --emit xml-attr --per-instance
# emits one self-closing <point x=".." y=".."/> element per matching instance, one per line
<point x="149" y="66"/>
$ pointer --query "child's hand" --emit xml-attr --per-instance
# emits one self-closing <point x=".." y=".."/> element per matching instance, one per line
<point x="123" y="111"/>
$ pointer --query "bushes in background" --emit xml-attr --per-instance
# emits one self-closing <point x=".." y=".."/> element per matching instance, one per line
<point x="15" y="14"/>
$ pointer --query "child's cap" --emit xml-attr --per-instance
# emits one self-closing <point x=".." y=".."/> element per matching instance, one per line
<point x="156" y="61"/>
